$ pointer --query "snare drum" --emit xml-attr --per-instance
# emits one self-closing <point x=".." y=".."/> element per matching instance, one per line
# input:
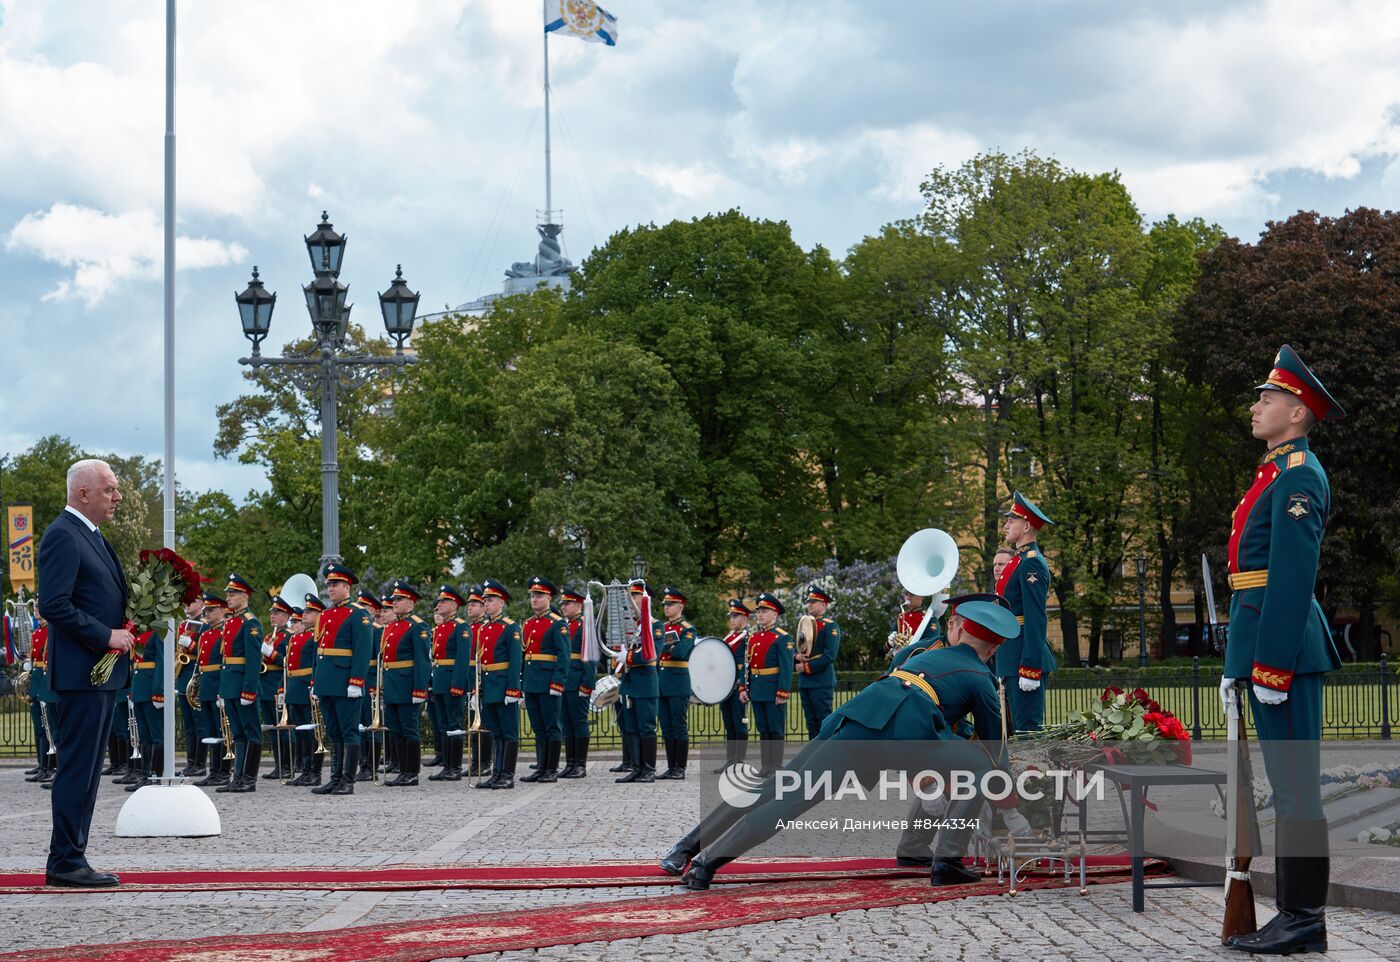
<point x="712" y="671"/>
<point x="605" y="692"/>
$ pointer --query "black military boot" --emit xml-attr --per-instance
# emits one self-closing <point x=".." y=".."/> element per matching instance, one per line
<point x="634" y="772"/>
<point x="497" y="762"/>
<point x="509" y="754"/>
<point x="437" y="758"/>
<point x="729" y="752"/>
<point x="201" y="753"/>
<point x="111" y="768"/>
<point x="669" y="745"/>
<point x="240" y="751"/>
<point x="456" y="748"/>
<point x="629" y="760"/>
<point x="191" y="756"/>
<point x="575" y="765"/>
<point x="951" y="871"/>
<point x="350" y="763"/>
<point x="393" y="747"/>
<point x="551" y="761"/>
<point x="408" y="762"/>
<point x="212" y="777"/>
<point x="537" y="769"/>
<point x="333" y="782"/>
<point x="711" y="827"/>
<point x="682" y="757"/>
<point x="1301" y="883"/>
<point x="318" y="766"/>
<point x="252" y="761"/>
<point x="276" y="770"/>
<point x="702" y="872"/>
<point x="142" y="768"/>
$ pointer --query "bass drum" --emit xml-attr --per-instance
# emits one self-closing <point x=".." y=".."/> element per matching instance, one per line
<point x="712" y="672"/>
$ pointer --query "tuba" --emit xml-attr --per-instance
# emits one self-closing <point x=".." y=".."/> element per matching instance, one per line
<point x="926" y="565"/>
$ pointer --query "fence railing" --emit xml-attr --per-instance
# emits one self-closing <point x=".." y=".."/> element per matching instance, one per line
<point x="1357" y="703"/>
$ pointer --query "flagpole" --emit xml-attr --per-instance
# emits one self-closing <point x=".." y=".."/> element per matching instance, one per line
<point x="168" y="669"/>
<point x="548" y="186"/>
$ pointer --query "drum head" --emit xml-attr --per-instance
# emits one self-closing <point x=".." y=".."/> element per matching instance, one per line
<point x="712" y="671"/>
<point x="605" y="692"/>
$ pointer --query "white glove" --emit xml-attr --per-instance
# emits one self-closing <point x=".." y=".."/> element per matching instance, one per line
<point x="1267" y="696"/>
<point x="1028" y="684"/>
<point x="266" y="650"/>
<point x="245" y="702"/>
<point x="418" y="701"/>
<point x="219" y="702"/>
<point x="28" y="665"/>
<point x="472" y="703"/>
<point x="512" y="701"/>
<point x="1225" y="684"/>
<point x="354" y="691"/>
<point x="556" y="694"/>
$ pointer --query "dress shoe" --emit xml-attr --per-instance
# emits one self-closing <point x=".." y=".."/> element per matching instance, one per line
<point x="951" y="871"/>
<point x="675" y="861"/>
<point x="702" y="872"/>
<point x="32" y="771"/>
<point x="83" y="878"/>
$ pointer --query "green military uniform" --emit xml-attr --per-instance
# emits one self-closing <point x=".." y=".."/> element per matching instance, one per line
<point x="344" y="637"/>
<point x="673" y="661"/>
<point x="640" y="694"/>
<point x="187" y="642"/>
<point x="404" y="653"/>
<point x="271" y="684"/>
<point x="732" y="711"/>
<point x="909" y="622"/>
<point x="768" y="667"/>
<point x="210" y="667"/>
<point x="882" y="719"/>
<point x="451" y="650"/>
<point x="546" y="668"/>
<point x="372" y="749"/>
<point x="816" y="676"/>
<point x="238" y="683"/>
<point x="301" y="669"/>
<point x="147" y="697"/>
<point x="500" y="653"/>
<point x="1025" y="662"/>
<point x="1279" y="641"/>
<point x="41" y="700"/>
<point x="578" y="690"/>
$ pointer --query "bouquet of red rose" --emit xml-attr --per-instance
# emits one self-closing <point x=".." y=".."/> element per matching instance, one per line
<point x="163" y="583"/>
<point x="1129" y="726"/>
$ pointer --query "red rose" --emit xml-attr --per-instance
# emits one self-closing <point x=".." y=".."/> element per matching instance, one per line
<point x="1109" y="694"/>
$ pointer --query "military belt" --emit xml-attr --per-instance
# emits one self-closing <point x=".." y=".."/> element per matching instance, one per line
<point x="145" y="664"/>
<point x="575" y="656"/>
<point x="495" y="665"/>
<point x="299" y="672"/>
<point x="41" y="664"/>
<point x="1241" y="580"/>
<point x="909" y="678"/>
<point x="399" y="664"/>
<point x="667" y="663"/>
<point x="445" y="662"/>
<point x="204" y="668"/>
<point x="765" y="671"/>
<point x="1020" y="619"/>
<point x="235" y="661"/>
<point x="541" y="657"/>
<point x="337" y="652"/>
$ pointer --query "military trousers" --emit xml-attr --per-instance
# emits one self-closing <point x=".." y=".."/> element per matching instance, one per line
<point x="770" y="719"/>
<point x="149" y="723"/>
<point x="342" y="718"/>
<point x="816" y="706"/>
<point x="1290" y="741"/>
<point x="403" y="721"/>
<point x="674" y="714"/>
<point x="451" y="712"/>
<point x="41" y="740"/>
<point x="735" y="715"/>
<point x="573" y="714"/>
<point x="433" y="721"/>
<point x="188" y="715"/>
<point x="543" y="710"/>
<point x="211" y="725"/>
<point x="1026" y="708"/>
<point x="639" y="715"/>
<point x="502" y="720"/>
<point x="301" y="715"/>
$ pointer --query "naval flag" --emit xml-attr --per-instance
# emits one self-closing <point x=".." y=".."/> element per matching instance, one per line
<point x="580" y="18"/>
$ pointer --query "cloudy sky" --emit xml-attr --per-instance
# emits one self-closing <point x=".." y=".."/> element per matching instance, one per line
<point x="418" y="125"/>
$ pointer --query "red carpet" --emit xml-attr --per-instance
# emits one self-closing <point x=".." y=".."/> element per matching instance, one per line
<point x="558" y="925"/>
<point x="398" y="877"/>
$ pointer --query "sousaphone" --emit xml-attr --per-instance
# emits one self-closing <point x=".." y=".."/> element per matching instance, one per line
<point x="927" y="564"/>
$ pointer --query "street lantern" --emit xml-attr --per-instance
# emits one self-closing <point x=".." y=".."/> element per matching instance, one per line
<point x="400" y="307"/>
<point x="639" y="568"/>
<point x="325" y="302"/>
<point x="255" y="310"/>
<point x="326" y="247"/>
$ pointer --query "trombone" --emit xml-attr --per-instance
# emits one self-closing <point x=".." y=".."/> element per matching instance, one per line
<point x="376" y="721"/>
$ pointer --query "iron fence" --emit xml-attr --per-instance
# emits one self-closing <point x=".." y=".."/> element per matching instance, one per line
<point x="1358" y="702"/>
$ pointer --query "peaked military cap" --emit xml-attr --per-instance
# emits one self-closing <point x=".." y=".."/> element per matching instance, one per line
<point x="281" y="604"/>
<point x="769" y="600"/>
<point x="737" y="607"/>
<point x="988" y="622"/>
<point x="815" y="593"/>
<point x="369" y="599"/>
<point x="402" y="589"/>
<point x="238" y="583"/>
<point x="297" y="613"/>
<point x="212" y="599"/>
<point x="387" y="600"/>
<point x="491" y="588"/>
<point x="449" y="593"/>
<point x="1021" y="507"/>
<point x="335" y="571"/>
<point x="670" y="593"/>
<point x="571" y="594"/>
<point x="543" y="585"/>
<point x="637" y="587"/>
<point x="474" y="594"/>
<point x="314" y="603"/>
<point x="1290" y="374"/>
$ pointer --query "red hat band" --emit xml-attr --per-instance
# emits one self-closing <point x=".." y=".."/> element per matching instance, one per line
<point x="1296" y="386"/>
<point x="1021" y="512"/>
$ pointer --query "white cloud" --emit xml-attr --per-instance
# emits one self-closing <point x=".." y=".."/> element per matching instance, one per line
<point x="907" y="155"/>
<point x="103" y="250"/>
<point x="698" y="181"/>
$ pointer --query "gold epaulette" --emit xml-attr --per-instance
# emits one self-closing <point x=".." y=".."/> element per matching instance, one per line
<point x="555" y="616"/>
<point x="1297" y="458"/>
<point x="415" y="618"/>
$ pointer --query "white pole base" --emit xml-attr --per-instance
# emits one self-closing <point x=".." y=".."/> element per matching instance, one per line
<point x="168" y="811"/>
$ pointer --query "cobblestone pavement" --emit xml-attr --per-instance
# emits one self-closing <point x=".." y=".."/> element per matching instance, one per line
<point x="440" y="823"/>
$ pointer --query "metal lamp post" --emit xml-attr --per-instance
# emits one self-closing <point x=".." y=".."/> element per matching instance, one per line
<point x="324" y="367"/>
<point x="1142" y="609"/>
<point x="639" y="567"/>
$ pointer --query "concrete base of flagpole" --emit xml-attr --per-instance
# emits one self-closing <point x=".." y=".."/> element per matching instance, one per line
<point x="168" y="811"/>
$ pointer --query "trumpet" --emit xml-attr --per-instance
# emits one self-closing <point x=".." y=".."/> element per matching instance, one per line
<point x="320" y="723"/>
<point x="133" y="731"/>
<point x="227" y="731"/>
<point x="902" y="634"/>
<point x="48" y="730"/>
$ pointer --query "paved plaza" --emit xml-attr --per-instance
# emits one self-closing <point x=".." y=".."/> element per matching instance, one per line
<point x="567" y="822"/>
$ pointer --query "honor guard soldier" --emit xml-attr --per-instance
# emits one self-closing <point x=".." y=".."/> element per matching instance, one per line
<point x="478" y="737"/>
<point x="407" y="675"/>
<point x="768" y="668"/>
<point x="640" y="694"/>
<point x="876" y="731"/>
<point x="903" y="643"/>
<point x="211" y="653"/>
<point x="816" y="672"/>
<point x="1023" y="663"/>
<point x="451" y="659"/>
<point x="147" y="700"/>
<point x="546" y="642"/>
<point x="677" y="642"/>
<point x="273" y="682"/>
<point x="578" y="688"/>
<point x="41" y="702"/>
<point x="301" y="667"/>
<point x="499" y="653"/>
<point x="1280" y="644"/>
<point x="187" y="668"/>
<point x="387" y="617"/>
<point x="628" y="763"/>
<point x="343" y="639"/>
<point x="733" y="711"/>
<point x="243" y="646"/>
<point x="373" y="743"/>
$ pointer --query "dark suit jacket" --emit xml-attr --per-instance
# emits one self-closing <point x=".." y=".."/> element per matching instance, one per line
<point x="82" y="593"/>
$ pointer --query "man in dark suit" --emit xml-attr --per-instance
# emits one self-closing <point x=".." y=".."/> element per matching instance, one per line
<point x="82" y="594"/>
